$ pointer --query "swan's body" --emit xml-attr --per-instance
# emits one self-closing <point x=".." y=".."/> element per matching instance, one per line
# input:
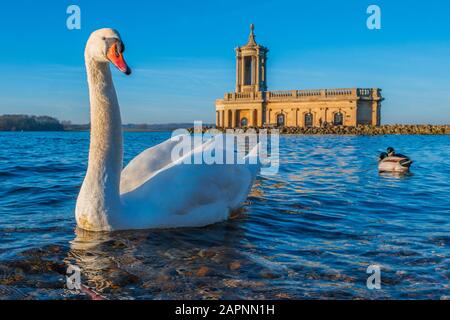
<point x="154" y="190"/>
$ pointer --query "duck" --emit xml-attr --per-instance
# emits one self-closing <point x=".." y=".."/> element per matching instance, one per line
<point x="156" y="189"/>
<point x="390" y="161"/>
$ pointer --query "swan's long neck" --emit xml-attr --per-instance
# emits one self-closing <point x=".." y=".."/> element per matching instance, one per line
<point x="99" y="200"/>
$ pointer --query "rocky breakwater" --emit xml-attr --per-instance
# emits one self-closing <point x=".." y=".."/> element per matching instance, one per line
<point x="358" y="130"/>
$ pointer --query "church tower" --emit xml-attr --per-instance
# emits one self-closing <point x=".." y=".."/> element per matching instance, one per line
<point x="251" y="60"/>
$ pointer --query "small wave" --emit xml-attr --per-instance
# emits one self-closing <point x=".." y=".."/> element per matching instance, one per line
<point x="307" y="232"/>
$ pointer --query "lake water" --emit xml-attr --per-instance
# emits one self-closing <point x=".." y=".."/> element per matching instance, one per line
<point x="309" y="232"/>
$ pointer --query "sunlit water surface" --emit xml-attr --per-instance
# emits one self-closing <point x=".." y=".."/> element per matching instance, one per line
<point x="309" y="232"/>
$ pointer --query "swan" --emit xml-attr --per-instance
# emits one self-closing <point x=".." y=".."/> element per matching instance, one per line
<point x="154" y="190"/>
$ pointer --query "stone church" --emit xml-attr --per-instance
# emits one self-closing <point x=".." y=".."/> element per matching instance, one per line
<point x="252" y="105"/>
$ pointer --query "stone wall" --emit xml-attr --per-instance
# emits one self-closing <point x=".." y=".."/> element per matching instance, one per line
<point x="366" y="130"/>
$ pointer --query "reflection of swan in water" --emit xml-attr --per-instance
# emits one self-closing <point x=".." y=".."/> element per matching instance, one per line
<point x="150" y="263"/>
<point x="154" y="190"/>
<point x="85" y="254"/>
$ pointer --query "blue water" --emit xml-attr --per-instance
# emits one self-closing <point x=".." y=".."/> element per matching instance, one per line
<point x="309" y="232"/>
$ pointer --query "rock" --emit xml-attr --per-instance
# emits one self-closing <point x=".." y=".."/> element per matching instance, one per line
<point x="206" y="253"/>
<point x="120" y="279"/>
<point x="10" y="276"/>
<point x="183" y="272"/>
<point x="203" y="271"/>
<point x="283" y="296"/>
<point x="119" y="245"/>
<point x="358" y="130"/>
<point x="267" y="274"/>
<point x="162" y="278"/>
<point x="235" y="265"/>
<point x="235" y="283"/>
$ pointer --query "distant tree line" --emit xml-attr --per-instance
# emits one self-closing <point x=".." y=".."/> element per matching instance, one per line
<point x="29" y="123"/>
<point x="156" y="127"/>
<point x="14" y="122"/>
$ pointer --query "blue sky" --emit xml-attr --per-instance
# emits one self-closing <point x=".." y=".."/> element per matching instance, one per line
<point x="182" y="54"/>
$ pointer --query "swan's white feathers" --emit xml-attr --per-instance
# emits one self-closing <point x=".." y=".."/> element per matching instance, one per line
<point x="183" y="195"/>
<point x="143" y="166"/>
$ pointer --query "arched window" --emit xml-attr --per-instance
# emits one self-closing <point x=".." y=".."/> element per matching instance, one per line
<point x="308" y="120"/>
<point x="244" y="122"/>
<point x="248" y="70"/>
<point x="280" y="120"/>
<point x="338" y="119"/>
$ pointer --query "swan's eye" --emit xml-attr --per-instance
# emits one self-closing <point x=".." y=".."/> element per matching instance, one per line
<point x="120" y="47"/>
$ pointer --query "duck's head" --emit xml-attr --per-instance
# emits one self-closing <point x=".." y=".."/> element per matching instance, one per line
<point x="383" y="155"/>
<point x="390" y="151"/>
<point x="106" y="45"/>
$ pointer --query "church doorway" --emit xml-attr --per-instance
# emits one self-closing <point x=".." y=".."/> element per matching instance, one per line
<point x="280" y="120"/>
<point x="244" y="123"/>
<point x="308" y="120"/>
<point x="338" y="119"/>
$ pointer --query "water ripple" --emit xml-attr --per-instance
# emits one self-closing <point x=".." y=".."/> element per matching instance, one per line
<point x="309" y="232"/>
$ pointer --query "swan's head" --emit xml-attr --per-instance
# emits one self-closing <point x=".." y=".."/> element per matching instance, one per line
<point x="105" y="45"/>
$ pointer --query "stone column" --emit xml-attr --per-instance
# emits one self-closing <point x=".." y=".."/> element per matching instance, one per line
<point x="354" y="113"/>
<point x="259" y="119"/>
<point x="258" y="73"/>
<point x="238" y="77"/>
<point x="375" y="118"/>
<point x="242" y="73"/>
<point x="226" y="120"/>
<point x="253" y="70"/>
<point x="233" y="119"/>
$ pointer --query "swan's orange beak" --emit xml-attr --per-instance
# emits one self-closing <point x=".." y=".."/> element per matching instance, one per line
<point x="117" y="59"/>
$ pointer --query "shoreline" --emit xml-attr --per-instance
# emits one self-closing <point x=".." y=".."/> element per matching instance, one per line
<point x="331" y="130"/>
<point x="364" y="130"/>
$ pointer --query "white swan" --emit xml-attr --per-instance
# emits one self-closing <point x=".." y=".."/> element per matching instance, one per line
<point x="154" y="190"/>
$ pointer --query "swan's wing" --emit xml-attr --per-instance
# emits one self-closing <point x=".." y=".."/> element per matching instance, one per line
<point x="184" y="195"/>
<point x="144" y="166"/>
